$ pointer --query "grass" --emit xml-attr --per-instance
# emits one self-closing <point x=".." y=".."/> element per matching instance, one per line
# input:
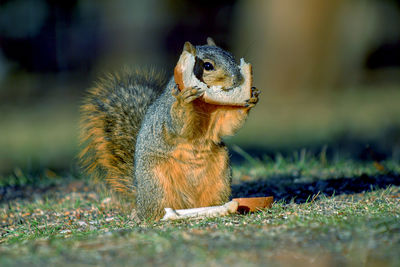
<point x="69" y="223"/>
<point x="304" y="165"/>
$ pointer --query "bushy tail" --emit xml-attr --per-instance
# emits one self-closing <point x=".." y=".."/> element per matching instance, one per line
<point x="111" y="116"/>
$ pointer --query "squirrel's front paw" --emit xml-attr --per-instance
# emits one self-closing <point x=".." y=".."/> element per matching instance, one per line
<point x="251" y="102"/>
<point x="187" y="95"/>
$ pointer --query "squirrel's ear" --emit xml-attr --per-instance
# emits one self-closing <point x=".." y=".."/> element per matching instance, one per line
<point x="210" y="41"/>
<point x="189" y="48"/>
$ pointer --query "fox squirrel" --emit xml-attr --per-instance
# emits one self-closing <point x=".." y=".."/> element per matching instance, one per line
<point x="159" y="143"/>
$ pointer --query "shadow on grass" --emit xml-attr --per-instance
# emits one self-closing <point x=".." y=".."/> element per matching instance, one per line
<point x="288" y="188"/>
<point x="282" y="188"/>
<point x="35" y="188"/>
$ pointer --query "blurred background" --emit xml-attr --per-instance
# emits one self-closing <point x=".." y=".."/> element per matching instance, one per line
<point x="329" y="71"/>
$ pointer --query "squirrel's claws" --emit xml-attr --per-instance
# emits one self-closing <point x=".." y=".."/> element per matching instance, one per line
<point x="251" y="102"/>
<point x="249" y="105"/>
<point x="189" y="94"/>
<point x="199" y="90"/>
<point x="255" y="92"/>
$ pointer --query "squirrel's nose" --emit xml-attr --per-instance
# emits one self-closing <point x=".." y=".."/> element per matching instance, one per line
<point x="237" y="80"/>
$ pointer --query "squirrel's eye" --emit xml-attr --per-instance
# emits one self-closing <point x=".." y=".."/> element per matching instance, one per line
<point x="208" y="66"/>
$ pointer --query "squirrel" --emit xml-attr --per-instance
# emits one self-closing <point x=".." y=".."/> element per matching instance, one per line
<point x="160" y="144"/>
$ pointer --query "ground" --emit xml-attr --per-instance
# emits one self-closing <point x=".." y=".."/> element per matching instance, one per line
<point x="325" y="213"/>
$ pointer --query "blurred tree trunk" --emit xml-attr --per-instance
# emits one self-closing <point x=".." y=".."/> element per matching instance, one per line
<point x="300" y="46"/>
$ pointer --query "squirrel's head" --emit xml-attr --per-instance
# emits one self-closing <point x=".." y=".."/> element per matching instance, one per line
<point x="215" y="66"/>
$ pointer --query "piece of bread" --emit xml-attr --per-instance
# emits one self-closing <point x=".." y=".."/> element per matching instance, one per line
<point x="237" y="96"/>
